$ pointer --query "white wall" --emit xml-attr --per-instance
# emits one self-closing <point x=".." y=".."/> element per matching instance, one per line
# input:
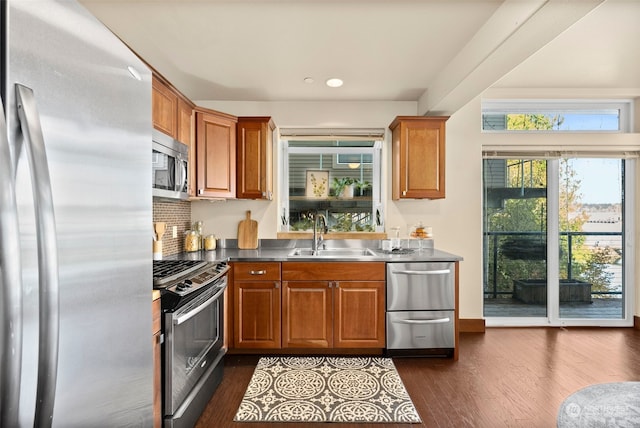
<point x="456" y="220"/>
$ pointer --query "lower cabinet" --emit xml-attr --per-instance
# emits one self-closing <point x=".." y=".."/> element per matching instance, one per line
<point x="333" y="314"/>
<point x="333" y="305"/>
<point x="308" y="305"/>
<point x="257" y="297"/>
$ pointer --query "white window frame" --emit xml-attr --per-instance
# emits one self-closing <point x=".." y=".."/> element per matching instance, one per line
<point x="540" y="149"/>
<point x="624" y="106"/>
<point x="377" y="204"/>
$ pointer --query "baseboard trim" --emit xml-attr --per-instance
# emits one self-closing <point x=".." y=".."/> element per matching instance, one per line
<point x="636" y="322"/>
<point x="472" y="325"/>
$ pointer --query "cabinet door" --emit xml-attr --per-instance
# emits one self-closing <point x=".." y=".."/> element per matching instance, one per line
<point x="307" y="318"/>
<point x="164" y="105"/>
<point x="255" y="146"/>
<point x="257" y="314"/>
<point x="183" y="130"/>
<point x="359" y="314"/>
<point x="215" y="155"/>
<point x="418" y="157"/>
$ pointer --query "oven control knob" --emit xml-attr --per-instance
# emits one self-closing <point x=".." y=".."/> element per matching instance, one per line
<point x="188" y="282"/>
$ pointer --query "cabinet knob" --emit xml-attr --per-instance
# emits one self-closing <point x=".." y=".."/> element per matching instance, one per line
<point x="404" y="193"/>
<point x="277" y="284"/>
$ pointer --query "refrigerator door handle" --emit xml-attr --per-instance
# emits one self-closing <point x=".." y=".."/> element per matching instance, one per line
<point x="49" y="314"/>
<point x="10" y="287"/>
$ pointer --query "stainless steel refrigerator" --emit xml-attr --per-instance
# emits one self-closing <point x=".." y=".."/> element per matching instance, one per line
<point x="75" y="222"/>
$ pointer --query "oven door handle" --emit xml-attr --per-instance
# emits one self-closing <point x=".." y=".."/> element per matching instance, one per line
<point x="187" y="316"/>
<point x="424" y="321"/>
<point x="422" y="272"/>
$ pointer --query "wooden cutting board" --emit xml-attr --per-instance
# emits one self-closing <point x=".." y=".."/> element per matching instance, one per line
<point x="248" y="233"/>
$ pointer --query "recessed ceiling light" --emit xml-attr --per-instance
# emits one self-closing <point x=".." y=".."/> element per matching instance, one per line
<point x="334" y="82"/>
<point x="308" y="80"/>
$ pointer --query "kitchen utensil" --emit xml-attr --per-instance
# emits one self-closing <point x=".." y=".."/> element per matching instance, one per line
<point x="248" y="233"/>
<point x="159" y="228"/>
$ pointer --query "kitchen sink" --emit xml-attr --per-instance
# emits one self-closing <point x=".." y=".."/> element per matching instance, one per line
<point x="333" y="252"/>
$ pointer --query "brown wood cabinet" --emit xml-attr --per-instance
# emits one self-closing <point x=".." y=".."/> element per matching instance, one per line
<point x="215" y="154"/>
<point x="164" y="107"/>
<point x="255" y="158"/>
<point x="257" y="310"/>
<point x="418" y="157"/>
<point x="333" y="305"/>
<point x="157" y="365"/>
<point x="171" y="112"/>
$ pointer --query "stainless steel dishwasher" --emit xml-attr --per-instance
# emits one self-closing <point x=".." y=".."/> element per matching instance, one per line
<point x="420" y="308"/>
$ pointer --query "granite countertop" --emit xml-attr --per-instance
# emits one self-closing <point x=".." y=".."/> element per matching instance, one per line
<point x="280" y="251"/>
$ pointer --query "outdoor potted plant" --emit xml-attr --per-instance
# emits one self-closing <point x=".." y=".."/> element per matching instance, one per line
<point x="363" y="186"/>
<point x="343" y="187"/>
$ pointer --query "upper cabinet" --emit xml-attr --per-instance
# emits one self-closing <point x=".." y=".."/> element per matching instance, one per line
<point x="418" y="156"/>
<point x="172" y="114"/>
<point x="164" y="107"/>
<point x="255" y="158"/>
<point x="171" y="111"/>
<point x="215" y="154"/>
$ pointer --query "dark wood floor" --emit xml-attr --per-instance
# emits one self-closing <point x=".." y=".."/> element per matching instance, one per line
<point x="506" y="377"/>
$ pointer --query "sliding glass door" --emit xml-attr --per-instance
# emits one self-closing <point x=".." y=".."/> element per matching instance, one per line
<point x="591" y="220"/>
<point x="554" y="241"/>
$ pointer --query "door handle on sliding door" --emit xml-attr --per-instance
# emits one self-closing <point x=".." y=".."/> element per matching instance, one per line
<point x="47" y="255"/>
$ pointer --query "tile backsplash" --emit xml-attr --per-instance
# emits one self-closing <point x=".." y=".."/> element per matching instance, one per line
<point x="173" y="214"/>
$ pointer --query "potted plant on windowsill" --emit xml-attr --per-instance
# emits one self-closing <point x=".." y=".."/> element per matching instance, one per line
<point x="363" y="187"/>
<point x="343" y="187"/>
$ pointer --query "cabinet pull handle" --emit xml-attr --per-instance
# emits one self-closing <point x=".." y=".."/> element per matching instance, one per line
<point x="337" y="284"/>
<point x="404" y="193"/>
<point x="276" y="283"/>
<point x="258" y="272"/>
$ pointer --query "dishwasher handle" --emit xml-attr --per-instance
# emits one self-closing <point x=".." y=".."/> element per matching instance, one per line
<point x="424" y="321"/>
<point x="422" y="272"/>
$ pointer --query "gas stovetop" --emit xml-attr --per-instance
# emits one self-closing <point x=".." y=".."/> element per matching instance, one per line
<point x="165" y="271"/>
<point x="181" y="280"/>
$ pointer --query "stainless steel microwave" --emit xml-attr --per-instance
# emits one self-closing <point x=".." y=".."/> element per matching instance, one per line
<point x="170" y="167"/>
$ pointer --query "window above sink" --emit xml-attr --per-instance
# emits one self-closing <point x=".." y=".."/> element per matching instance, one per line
<point x="336" y="175"/>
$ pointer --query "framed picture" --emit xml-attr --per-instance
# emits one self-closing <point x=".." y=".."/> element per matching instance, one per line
<point x="317" y="184"/>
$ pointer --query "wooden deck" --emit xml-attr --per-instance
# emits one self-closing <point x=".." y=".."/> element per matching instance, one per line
<point x="599" y="309"/>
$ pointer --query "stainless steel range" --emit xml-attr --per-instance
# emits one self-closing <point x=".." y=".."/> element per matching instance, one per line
<point x="193" y="328"/>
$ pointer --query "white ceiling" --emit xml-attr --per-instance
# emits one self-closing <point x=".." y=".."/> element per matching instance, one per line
<point x="441" y="53"/>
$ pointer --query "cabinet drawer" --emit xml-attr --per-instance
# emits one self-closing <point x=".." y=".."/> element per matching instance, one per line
<point x="420" y="330"/>
<point x="267" y="271"/>
<point x="333" y="271"/>
<point x="420" y="286"/>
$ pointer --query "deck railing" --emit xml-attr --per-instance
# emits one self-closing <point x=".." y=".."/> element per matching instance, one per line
<point x="495" y="238"/>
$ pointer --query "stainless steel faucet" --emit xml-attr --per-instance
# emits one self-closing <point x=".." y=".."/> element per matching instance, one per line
<point x="318" y="238"/>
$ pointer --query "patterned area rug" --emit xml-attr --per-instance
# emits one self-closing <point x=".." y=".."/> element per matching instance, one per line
<point x="326" y="389"/>
<point x="602" y="405"/>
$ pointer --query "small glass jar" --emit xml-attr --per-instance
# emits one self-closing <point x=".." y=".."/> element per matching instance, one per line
<point x="210" y="242"/>
<point x="191" y="241"/>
